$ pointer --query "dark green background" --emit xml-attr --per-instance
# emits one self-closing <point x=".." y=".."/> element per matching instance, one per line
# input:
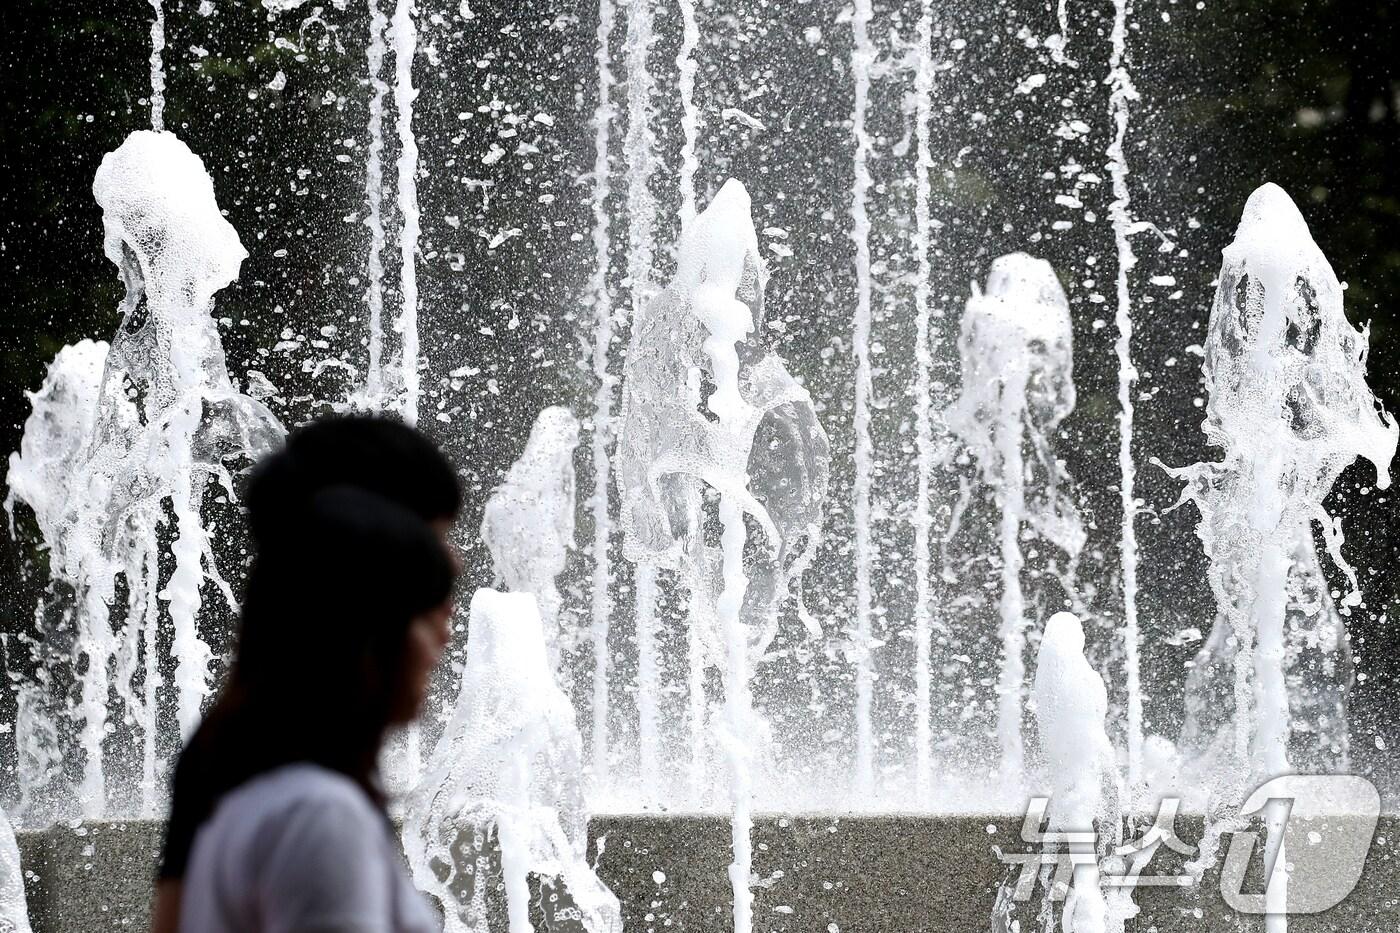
<point x="1304" y="93"/>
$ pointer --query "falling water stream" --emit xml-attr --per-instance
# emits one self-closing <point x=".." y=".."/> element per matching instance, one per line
<point x="602" y="397"/>
<point x="924" y="353"/>
<point x="639" y="156"/>
<point x="862" y="60"/>
<point x="1017" y="387"/>
<point x="158" y="66"/>
<point x="404" y="33"/>
<point x="1120" y="103"/>
<point x="686" y="67"/>
<point x="721" y="467"/>
<point x="1288" y="410"/>
<point x="374" y="208"/>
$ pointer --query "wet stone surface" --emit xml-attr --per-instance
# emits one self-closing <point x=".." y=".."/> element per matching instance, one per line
<point x="814" y="874"/>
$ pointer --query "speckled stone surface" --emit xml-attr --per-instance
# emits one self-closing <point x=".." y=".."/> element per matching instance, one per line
<point x="815" y="874"/>
<point x="90" y="877"/>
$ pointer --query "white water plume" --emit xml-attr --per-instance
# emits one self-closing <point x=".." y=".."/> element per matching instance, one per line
<point x="528" y="524"/>
<point x="158" y="66"/>
<point x="1086" y="803"/>
<point x="374" y="208"/>
<point x="508" y="768"/>
<point x="1289" y="409"/>
<point x="14" y="909"/>
<point x="754" y="440"/>
<point x="601" y="422"/>
<point x="1121" y="98"/>
<point x="166" y="422"/>
<point x="640" y="157"/>
<point x="863" y="641"/>
<point x="1017" y="386"/>
<point x="403" y="32"/>
<point x="924" y="412"/>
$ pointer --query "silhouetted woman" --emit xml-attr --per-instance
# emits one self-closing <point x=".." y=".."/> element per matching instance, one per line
<point x="345" y="616"/>
<point x="369" y="453"/>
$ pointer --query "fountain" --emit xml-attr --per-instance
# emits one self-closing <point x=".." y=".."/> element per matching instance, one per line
<point x="1070" y="707"/>
<point x="1120" y="211"/>
<point x="862" y="61"/>
<point x="508" y="769"/>
<point x="528" y="525"/>
<point x="1289" y="409"/>
<point x="755" y="441"/>
<point x="813" y="642"/>
<point x="148" y="431"/>
<point x="601" y="422"/>
<point x="1018" y="385"/>
<point x="14" y="913"/>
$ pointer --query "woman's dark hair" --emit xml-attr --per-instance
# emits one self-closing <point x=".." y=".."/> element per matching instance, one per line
<point x="321" y="650"/>
<point x="342" y="562"/>
<point x="368" y="452"/>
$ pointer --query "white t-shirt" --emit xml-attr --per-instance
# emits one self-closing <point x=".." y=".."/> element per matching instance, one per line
<point x="299" y="850"/>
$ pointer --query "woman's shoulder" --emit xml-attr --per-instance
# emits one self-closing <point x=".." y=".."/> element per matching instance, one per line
<point x="304" y="842"/>
<point x="298" y="793"/>
<point x="304" y="782"/>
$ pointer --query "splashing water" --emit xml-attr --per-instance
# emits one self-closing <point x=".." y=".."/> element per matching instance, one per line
<point x="167" y="420"/>
<point x="639" y="152"/>
<point x="755" y="441"/>
<point x="1071" y="705"/>
<point x="158" y="66"/>
<point x="862" y="59"/>
<point x="690" y="114"/>
<point x="1289" y="409"/>
<point x="508" y="765"/>
<point x="14" y="910"/>
<point x="689" y="164"/>
<point x="1319" y="670"/>
<point x="924" y="352"/>
<point x="528" y="523"/>
<point x="1120" y="213"/>
<point x="1018" y="385"/>
<point x="45" y="474"/>
<point x="404" y="34"/>
<point x="374" y="209"/>
<point x="602" y="398"/>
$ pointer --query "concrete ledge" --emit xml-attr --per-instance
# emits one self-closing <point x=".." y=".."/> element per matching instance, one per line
<point x="816" y="874"/>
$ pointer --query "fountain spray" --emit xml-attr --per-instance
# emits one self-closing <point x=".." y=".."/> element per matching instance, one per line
<point x="509" y="763"/>
<point x="1122" y="96"/>
<point x="1289" y="409"/>
<point x="862" y="60"/>
<point x="602" y="399"/>
<point x="404" y="34"/>
<point x="165" y="420"/>
<point x="923" y="409"/>
<point x="639" y="152"/>
<point x="528" y="525"/>
<point x="158" y="66"/>
<point x="1017" y="386"/>
<point x="755" y="441"/>
<point x="374" y="208"/>
<point x="690" y="130"/>
<point x="1071" y="704"/>
<point x="690" y="114"/>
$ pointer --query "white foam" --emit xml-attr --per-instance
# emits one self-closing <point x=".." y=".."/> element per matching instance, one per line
<point x="162" y="421"/>
<point x="509" y="762"/>
<point x="14" y="911"/>
<point x="528" y="522"/>
<point x="1017" y="386"/>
